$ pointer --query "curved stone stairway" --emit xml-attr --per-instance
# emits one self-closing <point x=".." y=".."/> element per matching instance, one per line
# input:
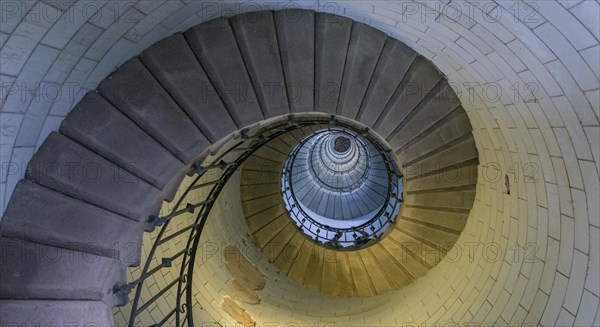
<point x="75" y="222"/>
<point x="437" y="204"/>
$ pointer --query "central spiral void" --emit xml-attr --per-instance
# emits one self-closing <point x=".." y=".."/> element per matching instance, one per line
<point x="343" y="190"/>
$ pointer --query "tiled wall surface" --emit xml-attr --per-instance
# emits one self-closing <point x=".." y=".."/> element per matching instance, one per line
<point x="527" y="73"/>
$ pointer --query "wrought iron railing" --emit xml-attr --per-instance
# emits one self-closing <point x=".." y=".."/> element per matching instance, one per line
<point x="212" y="175"/>
<point x="347" y="238"/>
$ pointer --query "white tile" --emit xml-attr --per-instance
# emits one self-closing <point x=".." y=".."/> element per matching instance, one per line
<point x="69" y="57"/>
<point x="586" y="79"/>
<point x="594" y="99"/>
<point x="27" y="84"/>
<point x="3" y="38"/>
<point x="554" y="301"/>
<point x="73" y="86"/>
<point x="578" y="137"/>
<point x="18" y="166"/>
<point x="587" y="310"/>
<point x="582" y="239"/>
<point x="573" y="92"/>
<point x="23" y="41"/>
<point x="9" y="127"/>
<point x="567" y="241"/>
<point x="536" y="67"/>
<point x="13" y="12"/>
<point x="113" y="34"/>
<point x="592" y="57"/>
<point x="50" y="125"/>
<point x="587" y="13"/>
<point x="576" y="281"/>
<point x="36" y="115"/>
<point x="592" y="191"/>
<point x="148" y="6"/>
<point x="3" y="199"/>
<point x="526" y="36"/>
<point x="111" y="12"/>
<point x="570" y="27"/>
<point x="592" y="281"/>
<point x="565" y="318"/>
<point x="115" y="56"/>
<point x="569" y="3"/>
<point x="564" y="191"/>
<point x="6" y="87"/>
<point x="194" y="8"/>
<point x="524" y="12"/>
<point x="71" y="22"/>
<point x="569" y="157"/>
<point x="147" y="23"/>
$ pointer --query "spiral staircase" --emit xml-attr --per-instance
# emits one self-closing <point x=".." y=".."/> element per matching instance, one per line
<point x="76" y="222"/>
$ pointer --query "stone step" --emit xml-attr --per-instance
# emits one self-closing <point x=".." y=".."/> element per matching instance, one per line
<point x="254" y="206"/>
<point x="446" y="219"/>
<point x="215" y="46"/>
<point x="364" y="50"/>
<point x="274" y="249"/>
<point x="35" y="271"/>
<point x="263" y="218"/>
<point x="412" y="266"/>
<point x="457" y="177"/>
<point x="39" y="214"/>
<point x="134" y="91"/>
<point x="332" y="36"/>
<point x="296" y="31"/>
<point x="435" y="237"/>
<point x="360" y="276"/>
<point x="395" y="61"/>
<point x="51" y="312"/>
<point x="439" y="103"/>
<point x="95" y="123"/>
<point x="459" y="199"/>
<point x="258" y="190"/>
<point x="68" y="167"/>
<point x="180" y="73"/>
<point x="266" y="234"/>
<point x="444" y="131"/>
<point x="381" y="282"/>
<point x="416" y="84"/>
<point x="457" y="152"/>
<point x="257" y="38"/>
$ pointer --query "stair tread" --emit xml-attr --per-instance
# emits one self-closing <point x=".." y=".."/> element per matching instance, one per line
<point x="95" y="123"/>
<point x="295" y="31"/>
<point x="366" y="45"/>
<point x="47" y="313"/>
<point x="215" y="45"/>
<point x="257" y="39"/>
<point x="133" y="90"/>
<point x="36" y="271"/>
<point x="66" y="166"/>
<point x="395" y="61"/>
<point x="362" y="280"/>
<point x="41" y="215"/>
<point x="331" y="46"/>
<point x="452" y="154"/>
<point x="377" y="275"/>
<point x="448" y="131"/>
<point x="175" y="65"/>
<point x="416" y="84"/>
<point x="438" y="103"/>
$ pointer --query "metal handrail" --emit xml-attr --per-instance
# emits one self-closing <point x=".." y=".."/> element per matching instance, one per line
<point x="225" y="163"/>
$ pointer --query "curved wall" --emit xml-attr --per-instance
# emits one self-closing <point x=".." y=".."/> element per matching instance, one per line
<point x="527" y="76"/>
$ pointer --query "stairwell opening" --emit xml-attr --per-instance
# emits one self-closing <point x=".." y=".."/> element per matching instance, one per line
<point x="342" y="190"/>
